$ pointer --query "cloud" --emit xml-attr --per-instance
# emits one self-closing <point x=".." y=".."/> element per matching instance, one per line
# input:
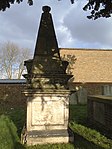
<point x="64" y="36"/>
<point x="89" y="33"/>
<point x="20" y="24"/>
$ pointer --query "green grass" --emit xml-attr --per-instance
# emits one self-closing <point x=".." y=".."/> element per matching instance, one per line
<point x="13" y="120"/>
<point x="8" y="134"/>
<point x="52" y="146"/>
<point x="17" y="115"/>
<point x="78" y="114"/>
<point x="9" y="138"/>
<point x="92" y="136"/>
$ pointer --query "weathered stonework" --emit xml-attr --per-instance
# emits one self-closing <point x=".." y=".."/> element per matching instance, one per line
<point x="46" y="70"/>
<point x="47" y="117"/>
<point x="47" y="89"/>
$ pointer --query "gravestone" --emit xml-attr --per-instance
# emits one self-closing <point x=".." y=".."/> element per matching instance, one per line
<point x="47" y="90"/>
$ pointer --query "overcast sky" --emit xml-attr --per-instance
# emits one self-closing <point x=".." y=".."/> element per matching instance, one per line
<point x="20" y="23"/>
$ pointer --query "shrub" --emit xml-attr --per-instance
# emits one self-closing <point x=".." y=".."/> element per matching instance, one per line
<point x="17" y="115"/>
<point x="91" y="135"/>
<point x="8" y="133"/>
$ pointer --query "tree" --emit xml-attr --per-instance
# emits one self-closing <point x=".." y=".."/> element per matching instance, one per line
<point x="98" y="8"/>
<point x="6" y="3"/>
<point x="71" y="59"/>
<point x="12" y="60"/>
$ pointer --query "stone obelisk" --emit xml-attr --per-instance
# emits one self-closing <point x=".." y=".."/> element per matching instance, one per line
<point x="47" y="91"/>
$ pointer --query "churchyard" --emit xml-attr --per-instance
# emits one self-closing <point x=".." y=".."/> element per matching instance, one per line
<point x="45" y="119"/>
<point x="12" y="120"/>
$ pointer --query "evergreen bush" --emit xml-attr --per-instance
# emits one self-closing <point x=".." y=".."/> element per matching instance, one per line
<point x="8" y="134"/>
<point x="91" y="135"/>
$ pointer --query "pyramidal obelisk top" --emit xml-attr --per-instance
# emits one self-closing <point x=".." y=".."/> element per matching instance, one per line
<point x="46" y="40"/>
<point x="46" y="69"/>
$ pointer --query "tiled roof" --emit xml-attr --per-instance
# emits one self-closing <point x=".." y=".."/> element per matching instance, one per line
<point x="92" y="65"/>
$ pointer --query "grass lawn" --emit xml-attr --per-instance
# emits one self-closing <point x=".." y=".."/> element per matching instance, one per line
<point x="12" y="121"/>
<point x="78" y="113"/>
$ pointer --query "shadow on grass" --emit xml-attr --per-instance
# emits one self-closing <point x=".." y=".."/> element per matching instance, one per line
<point x="18" y="117"/>
<point x="16" y="114"/>
<point x="78" y="114"/>
<point x="81" y="143"/>
<point x="18" y="145"/>
<point x="15" y="140"/>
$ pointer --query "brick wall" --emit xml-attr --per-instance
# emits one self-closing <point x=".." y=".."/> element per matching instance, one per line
<point x="94" y="88"/>
<point x="11" y="94"/>
<point x="85" y="89"/>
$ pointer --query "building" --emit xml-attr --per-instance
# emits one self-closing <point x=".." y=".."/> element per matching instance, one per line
<point x="92" y="71"/>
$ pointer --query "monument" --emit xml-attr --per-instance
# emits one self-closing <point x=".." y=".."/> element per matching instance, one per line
<point x="47" y="91"/>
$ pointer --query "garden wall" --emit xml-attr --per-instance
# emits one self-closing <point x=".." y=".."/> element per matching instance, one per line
<point x="11" y="92"/>
<point x="100" y="111"/>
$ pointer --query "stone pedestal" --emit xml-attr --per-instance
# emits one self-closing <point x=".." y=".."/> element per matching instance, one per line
<point x="47" y="90"/>
<point x="47" y="117"/>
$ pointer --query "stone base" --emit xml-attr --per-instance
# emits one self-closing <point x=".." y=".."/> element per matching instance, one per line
<point x="44" y="137"/>
<point x="47" y="117"/>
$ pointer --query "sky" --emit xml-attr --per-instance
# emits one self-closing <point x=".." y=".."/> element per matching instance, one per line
<point x="20" y="23"/>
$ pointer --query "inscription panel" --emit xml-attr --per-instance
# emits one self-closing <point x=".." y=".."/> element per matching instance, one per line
<point x="48" y="112"/>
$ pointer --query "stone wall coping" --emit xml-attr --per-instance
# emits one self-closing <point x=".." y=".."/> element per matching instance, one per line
<point x="12" y="81"/>
<point x="23" y="81"/>
<point x="101" y="98"/>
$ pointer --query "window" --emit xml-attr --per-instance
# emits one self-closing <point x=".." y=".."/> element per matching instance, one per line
<point x="107" y="90"/>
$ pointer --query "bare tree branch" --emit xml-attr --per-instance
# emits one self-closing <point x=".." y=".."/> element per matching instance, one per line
<point x="12" y="60"/>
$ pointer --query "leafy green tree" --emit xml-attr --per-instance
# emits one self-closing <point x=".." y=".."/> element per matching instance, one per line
<point x="98" y="8"/>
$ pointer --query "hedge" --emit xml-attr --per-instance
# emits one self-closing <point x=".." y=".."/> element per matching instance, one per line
<point x="91" y="135"/>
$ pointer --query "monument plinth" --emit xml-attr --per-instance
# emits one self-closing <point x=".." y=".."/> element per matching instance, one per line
<point x="47" y="91"/>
